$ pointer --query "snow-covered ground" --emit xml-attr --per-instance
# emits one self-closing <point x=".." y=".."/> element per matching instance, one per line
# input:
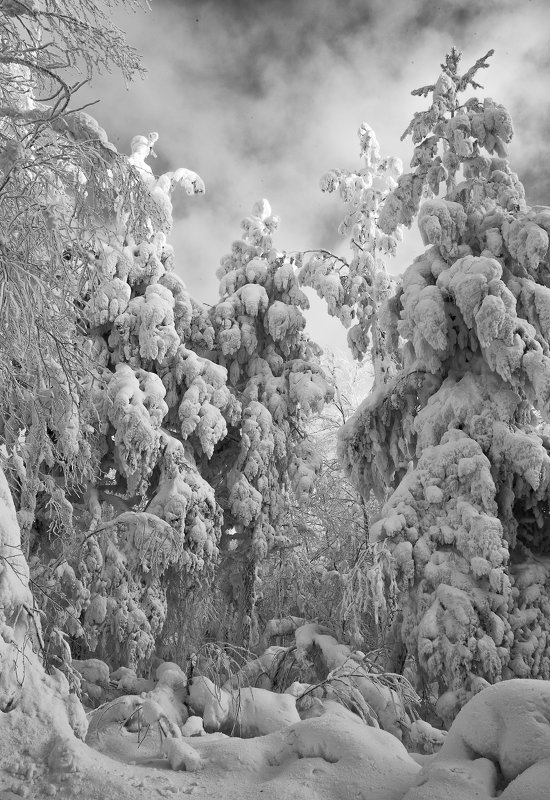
<point x="325" y="757"/>
<point x="498" y="746"/>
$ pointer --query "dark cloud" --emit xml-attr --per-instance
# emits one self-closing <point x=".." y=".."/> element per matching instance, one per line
<point x="454" y="17"/>
<point x="246" y="43"/>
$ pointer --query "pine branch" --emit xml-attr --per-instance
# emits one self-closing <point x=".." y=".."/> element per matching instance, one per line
<point x="467" y="78"/>
<point x="423" y="91"/>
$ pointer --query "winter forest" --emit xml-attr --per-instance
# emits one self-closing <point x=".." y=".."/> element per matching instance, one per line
<point x="234" y="564"/>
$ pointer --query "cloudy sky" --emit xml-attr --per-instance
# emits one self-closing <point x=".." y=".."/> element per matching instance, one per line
<point x="261" y="97"/>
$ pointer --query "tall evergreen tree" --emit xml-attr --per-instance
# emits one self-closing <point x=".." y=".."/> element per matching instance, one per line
<point x="460" y="432"/>
<point x="275" y="374"/>
<point x="148" y="519"/>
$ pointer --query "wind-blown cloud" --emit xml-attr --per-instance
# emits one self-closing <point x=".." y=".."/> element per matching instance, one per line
<point x="262" y="98"/>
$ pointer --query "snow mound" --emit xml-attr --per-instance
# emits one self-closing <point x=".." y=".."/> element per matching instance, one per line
<point x="328" y="757"/>
<point x="500" y="740"/>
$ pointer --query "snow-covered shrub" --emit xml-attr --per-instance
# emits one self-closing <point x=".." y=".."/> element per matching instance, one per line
<point x="39" y="705"/>
<point x="460" y="432"/>
<point x="246" y="712"/>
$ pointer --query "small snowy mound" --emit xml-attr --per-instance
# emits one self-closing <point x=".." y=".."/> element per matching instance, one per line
<point x="327" y="758"/>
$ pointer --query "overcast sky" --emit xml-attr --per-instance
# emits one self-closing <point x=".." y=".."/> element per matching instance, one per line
<point x="261" y="97"/>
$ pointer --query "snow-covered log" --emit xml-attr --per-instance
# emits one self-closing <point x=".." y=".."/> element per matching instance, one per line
<point x="244" y="712"/>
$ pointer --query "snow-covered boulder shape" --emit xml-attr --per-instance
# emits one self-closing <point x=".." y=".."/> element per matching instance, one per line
<point x="424" y="738"/>
<point x="94" y="675"/>
<point x="193" y="727"/>
<point x="246" y="712"/>
<point x="180" y="755"/>
<point x="167" y="666"/>
<point x="171" y="693"/>
<point x="126" y="679"/>
<point x="121" y="710"/>
<point x="501" y="735"/>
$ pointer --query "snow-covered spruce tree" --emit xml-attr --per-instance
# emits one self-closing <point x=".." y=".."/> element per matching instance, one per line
<point x="275" y="375"/>
<point x="460" y="433"/>
<point x="354" y="290"/>
<point x="147" y="519"/>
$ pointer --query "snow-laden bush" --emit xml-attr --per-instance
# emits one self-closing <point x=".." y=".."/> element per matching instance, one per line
<point x="323" y="573"/>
